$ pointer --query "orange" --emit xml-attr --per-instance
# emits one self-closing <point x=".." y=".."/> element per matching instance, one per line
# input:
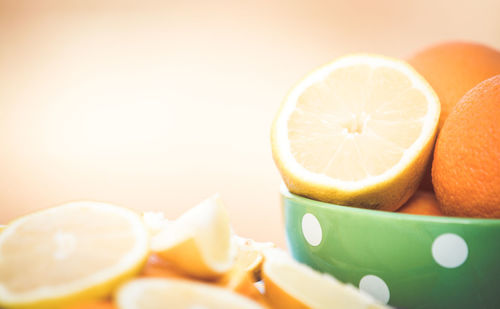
<point x="452" y="69"/>
<point x="466" y="169"/>
<point x="422" y="203"/>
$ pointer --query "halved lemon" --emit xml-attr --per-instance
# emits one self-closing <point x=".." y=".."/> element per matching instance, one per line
<point x="199" y="242"/>
<point x="357" y="132"/>
<point x="172" y="293"/>
<point x="70" y="253"/>
<point x="289" y="284"/>
<point x="2" y="227"/>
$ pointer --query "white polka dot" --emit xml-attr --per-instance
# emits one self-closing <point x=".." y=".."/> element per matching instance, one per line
<point x="449" y="250"/>
<point x="311" y="229"/>
<point x="376" y="287"/>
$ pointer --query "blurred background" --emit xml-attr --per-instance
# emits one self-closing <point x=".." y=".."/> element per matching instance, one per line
<point x="156" y="105"/>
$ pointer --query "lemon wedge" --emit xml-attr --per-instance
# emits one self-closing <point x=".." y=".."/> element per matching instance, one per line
<point x="172" y="293"/>
<point x="199" y="242"/>
<point x="250" y="255"/>
<point x="289" y="284"/>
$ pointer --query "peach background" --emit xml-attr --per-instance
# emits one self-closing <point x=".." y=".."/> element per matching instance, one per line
<point x="158" y="105"/>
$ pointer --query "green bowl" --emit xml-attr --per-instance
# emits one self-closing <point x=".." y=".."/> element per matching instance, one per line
<point x="407" y="261"/>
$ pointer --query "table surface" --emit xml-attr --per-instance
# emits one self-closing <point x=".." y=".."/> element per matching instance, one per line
<point x="159" y="105"/>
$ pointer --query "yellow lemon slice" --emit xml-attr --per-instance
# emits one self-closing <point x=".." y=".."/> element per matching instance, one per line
<point x="171" y="293"/>
<point x="62" y="255"/>
<point x="199" y="242"/>
<point x="289" y="284"/>
<point x="357" y="132"/>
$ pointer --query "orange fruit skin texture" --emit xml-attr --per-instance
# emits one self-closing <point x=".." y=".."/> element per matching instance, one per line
<point x="422" y="203"/>
<point x="452" y="69"/>
<point x="466" y="166"/>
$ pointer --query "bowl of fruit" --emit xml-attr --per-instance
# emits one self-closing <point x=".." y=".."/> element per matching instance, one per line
<point x="408" y="261"/>
<point x="390" y="172"/>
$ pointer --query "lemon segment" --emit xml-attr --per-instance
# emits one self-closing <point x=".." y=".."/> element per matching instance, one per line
<point x="250" y="255"/>
<point x="246" y="269"/>
<point x="356" y="132"/>
<point x="171" y="293"/>
<point x="68" y="254"/>
<point x="156" y="267"/>
<point x="289" y="284"/>
<point x="199" y="242"/>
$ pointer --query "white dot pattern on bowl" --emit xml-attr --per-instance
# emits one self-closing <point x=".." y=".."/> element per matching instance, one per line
<point x="376" y="287"/>
<point x="449" y="250"/>
<point x="311" y="229"/>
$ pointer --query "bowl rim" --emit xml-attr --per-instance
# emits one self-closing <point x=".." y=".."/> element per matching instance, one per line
<point x="386" y="214"/>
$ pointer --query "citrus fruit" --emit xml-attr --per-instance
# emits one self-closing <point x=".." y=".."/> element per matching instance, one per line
<point x="246" y="268"/>
<point x="242" y="282"/>
<point x="199" y="242"/>
<point x="97" y="304"/>
<point x="171" y="293"/>
<point x="453" y="68"/>
<point x="289" y="284"/>
<point x="70" y="253"/>
<point x="422" y="203"/>
<point x="466" y="169"/>
<point x="155" y="221"/>
<point x="356" y="132"/>
<point x="250" y="255"/>
<point x="2" y="227"/>
<point x="240" y="278"/>
<point x="157" y="267"/>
